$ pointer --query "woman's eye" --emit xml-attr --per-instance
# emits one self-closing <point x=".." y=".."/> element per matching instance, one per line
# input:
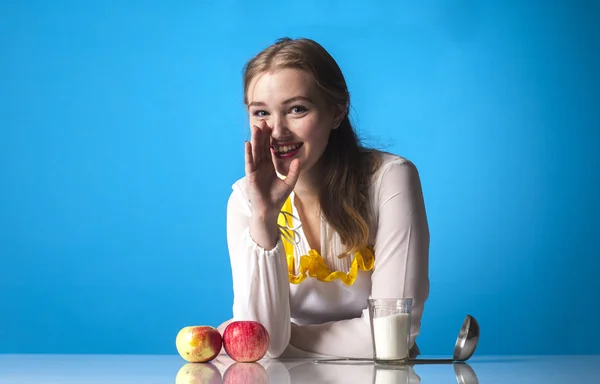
<point x="298" y="109"/>
<point x="260" y="113"/>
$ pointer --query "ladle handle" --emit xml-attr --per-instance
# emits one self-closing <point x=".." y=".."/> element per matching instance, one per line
<point x="366" y="360"/>
<point x="431" y="361"/>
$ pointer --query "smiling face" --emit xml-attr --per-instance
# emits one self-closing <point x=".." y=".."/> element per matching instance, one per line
<point x="300" y="118"/>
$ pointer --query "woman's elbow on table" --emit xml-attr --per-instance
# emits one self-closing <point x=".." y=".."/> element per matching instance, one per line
<point x="278" y="344"/>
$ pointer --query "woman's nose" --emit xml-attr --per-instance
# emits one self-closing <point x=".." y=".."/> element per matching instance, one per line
<point x="278" y="128"/>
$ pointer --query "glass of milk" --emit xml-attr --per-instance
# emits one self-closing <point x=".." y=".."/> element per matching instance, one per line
<point x="390" y="329"/>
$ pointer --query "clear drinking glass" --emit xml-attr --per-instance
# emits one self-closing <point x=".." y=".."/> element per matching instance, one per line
<point x="390" y="329"/>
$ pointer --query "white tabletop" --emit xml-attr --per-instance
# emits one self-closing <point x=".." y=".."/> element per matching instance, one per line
<point x="17" y="369"/>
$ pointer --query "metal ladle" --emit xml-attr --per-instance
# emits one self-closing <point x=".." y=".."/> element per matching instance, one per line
<point x="465" y="346"/>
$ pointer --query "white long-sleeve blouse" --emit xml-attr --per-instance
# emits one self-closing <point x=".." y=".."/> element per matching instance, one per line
<point x="331" y="317"/>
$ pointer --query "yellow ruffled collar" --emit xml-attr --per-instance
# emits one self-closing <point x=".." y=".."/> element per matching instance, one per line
<point x="313" y="265"/>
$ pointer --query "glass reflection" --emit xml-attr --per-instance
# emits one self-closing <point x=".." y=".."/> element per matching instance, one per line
<point x="387" y="374"/>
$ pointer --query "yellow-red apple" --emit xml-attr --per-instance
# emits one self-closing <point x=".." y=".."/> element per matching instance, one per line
<point x="246" y="341"/>
<point x="198" y="343"/>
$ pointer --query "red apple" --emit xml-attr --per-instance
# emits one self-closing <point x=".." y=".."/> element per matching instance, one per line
<point x="243" y="373"/>
<point x="191" y="373"/>
<point x="246" y="341"/>
<point x="198" y="343"/>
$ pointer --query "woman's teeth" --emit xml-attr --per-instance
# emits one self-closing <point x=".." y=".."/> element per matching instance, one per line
<point x="283" y="149"/>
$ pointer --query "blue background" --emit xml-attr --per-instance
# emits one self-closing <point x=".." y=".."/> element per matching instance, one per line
<point x="122" y="130"/>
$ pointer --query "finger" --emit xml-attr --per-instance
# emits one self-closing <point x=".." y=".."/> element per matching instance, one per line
<point x="262" y="127"/>
<point x="256" y="145"/>
<point x="249" y="162"/>
<point x="266" y="133"/>
<point x="293" y="173"/>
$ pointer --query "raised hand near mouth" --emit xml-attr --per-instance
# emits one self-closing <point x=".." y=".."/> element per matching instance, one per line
<point x="267" y="191"/>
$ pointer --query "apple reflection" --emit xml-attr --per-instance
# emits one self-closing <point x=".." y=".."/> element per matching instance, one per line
<point x="198" y="373"/>
<point x="243" y="373"/>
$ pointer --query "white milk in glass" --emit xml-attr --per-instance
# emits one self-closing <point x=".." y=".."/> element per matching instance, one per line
<point x="390" y="335"/>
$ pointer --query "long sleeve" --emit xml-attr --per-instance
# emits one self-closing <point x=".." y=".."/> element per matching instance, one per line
<point x="401" y="265"/>
<point x="260" y="277"/>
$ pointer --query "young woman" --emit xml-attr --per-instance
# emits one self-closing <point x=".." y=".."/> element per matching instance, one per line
<point x="319" y="223"/>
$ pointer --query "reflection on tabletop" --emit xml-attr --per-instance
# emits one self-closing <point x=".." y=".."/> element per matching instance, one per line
<point x="151" y="369"/>
<point x="225" y="370"/>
